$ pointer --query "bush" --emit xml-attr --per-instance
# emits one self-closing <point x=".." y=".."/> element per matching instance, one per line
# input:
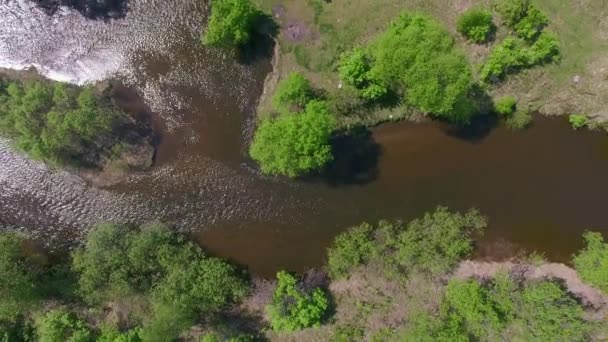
<point x="591" y="263"/>
<point x="506" y="57"/>
<point x="230" y="23"/>
<point x="56" y="123"/>
<point x="292" y="309"/>
<point x="544" y="50"/>
<point x="294" y="90"/>
<point x="60" y="326"/>
<point x="506" y="106"/>
<point x="532" y="24"/>
<point x="355" y="70"/>
<point x="520" y="120"/>
<point x="19" y="288"/>
<point x="112" y="334"/>
<point x="295" y="144"/>
<point x="416" y="56"/>
<point x="476" y="24"/>
<point x="578" y="121"/>
<point x="512" y="11"/>
<point x="350" y="249"/>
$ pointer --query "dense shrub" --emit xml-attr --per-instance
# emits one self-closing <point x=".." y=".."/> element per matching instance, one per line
<point x="59" y="325"/>
<point x="512" y="11"/>
<point x="295" y="144"/>
<point x="292" y="308"/>
<point x="351" y="249"/>
<point x="523" y="16"/>
<point x="113" y="334"/>
<point x="476" y="24"/>
<point x="591" y="263"/>
<point x="230" y="23"/>
<point x="56" y="123"/>
<point x="506" y="106"/>
<point x="544" y="50"/>
<point x="294" y="90"/>
<point x="19" y="288"/>
<point x="578" y="121"/>
<point x="355" y="70"/>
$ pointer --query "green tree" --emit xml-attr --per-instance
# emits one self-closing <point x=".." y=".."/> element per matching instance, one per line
<point x="19" y="288"/>
<point x="355" y="247"/>
<point x="295" y="144"/>
<point x="59" y="325"/>
<point x="355" y="69"/>
<point x="476" y="24"/>
<point x="292" y="309"/>
<point x="230" y="23"/>
<point x="591" y="263"/>
<point x="293" y="91"/>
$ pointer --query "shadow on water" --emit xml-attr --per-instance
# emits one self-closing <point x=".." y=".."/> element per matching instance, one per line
<point x="356" y="157"/>
<point x="261" y="45"/>
<point x="92" y="9"/>
<point x="476" y="131"/>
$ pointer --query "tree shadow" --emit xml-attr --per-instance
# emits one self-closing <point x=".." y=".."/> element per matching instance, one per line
<point x="356" y="157"/>
<point x="262" y="42"/>
<point x="92" y="9"/>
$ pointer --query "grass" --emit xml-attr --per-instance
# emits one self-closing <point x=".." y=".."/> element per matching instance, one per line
<point x="340" y="25"/>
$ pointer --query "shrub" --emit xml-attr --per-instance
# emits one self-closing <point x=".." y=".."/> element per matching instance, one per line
<point x="230" y="23"/>
<point x="294" y="90"/>
<point x="295" y="144"/>
<point x="512" y="11"/>
<point x="166" y="323"/>
<point x="544" y="50"/>
<point x="506" y="57"/>
<point x="19" y="289"/>
<point x="416" y="56"/>
<point x="350" y="249"/>
<point x="112" y="334"/>
<point x="591" y="263"/>
<point x="60" y="326"/>
<point x="476" y="24"/>
<point x="355" y="69"/>
<point x="578" y="121"/>
<point x="532" y="24"/>
<point x="292" y="309"/>
<point x="521" y="119"/>
<point x="506" y="106"/>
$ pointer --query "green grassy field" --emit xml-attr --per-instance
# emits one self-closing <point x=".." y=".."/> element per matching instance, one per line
<point x="314" y="34"/>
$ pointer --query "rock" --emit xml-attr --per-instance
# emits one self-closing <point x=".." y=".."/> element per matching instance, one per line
<point x="576" y="79"/>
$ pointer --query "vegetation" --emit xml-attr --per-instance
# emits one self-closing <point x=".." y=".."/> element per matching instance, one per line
<point x="295" y="144"/>
<point x="294" y="309"/>
<point x="230" y="23"/>
<point x="592" y="262"/>
<point x="432" y="244"/>
<point x="294" y="91"/>
<point x="506" y="106"/>
<point x="519" y="120"/>
<point x="578" y="121"/>
<point x="57" y="123"/>
<point x="476" y="24"/>
<point x="522" y="16"/>
<point x="59" y="325"/>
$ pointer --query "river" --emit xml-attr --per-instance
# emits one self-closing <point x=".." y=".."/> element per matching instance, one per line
<point x="541" y="188"/>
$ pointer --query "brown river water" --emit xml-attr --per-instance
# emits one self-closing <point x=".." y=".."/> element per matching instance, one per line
<point x="541" y="188"/>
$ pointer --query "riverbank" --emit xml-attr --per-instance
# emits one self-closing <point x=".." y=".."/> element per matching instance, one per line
<point x="315" y="33"/>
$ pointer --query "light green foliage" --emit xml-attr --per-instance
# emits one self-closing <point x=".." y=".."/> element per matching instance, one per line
<point x="19" y="290"/>
<point x="178" y="280"/>
<point x="437" y="241"/>
<point x="295" y="144"/>
<point x="591" y="263"/>
<point x="54" y="122"/>
<point x="547" y="313"/>
<point x="294" y="90"/>
<point x="512" y="11"/>
<point x="230" y="23"/>
<point x="350" y="249"/>
<point x="523" y="16"/>
<point x="520" y="120"/>
<point x="355" y="70"/>
<point x="476" y="24"/>
<point x="578" y="121"/>
<point x="348" y="334"/>
<point x="416" y="57"/>
<point x="112" y="334"/>
<point x="544" y="50"/>
<point x="62" y="326"/>
<point x="506" y="106"/>
<point x="291" y="309"/>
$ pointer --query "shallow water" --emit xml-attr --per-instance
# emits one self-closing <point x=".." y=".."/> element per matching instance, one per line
<point x="541" y="188"/>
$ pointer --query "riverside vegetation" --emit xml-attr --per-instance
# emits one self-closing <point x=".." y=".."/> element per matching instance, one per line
<point x="387" y="281"/>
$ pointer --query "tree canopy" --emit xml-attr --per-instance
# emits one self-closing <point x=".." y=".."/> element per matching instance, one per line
<point x="230" y="23"/>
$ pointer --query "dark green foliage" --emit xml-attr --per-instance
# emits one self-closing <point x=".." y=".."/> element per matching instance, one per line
<point x="178" y="280"/>
<point x="591" y="263"/>
<point x="19" y="289"/>
<point x="16" y="330"/>
<point x="293" y="91"/>
<point x="59" y="325"/>
<point x="416" y="56"/>
<point x="292" y="308"/>
<point x="230" y="24"/>
<point x="351" y="249"/>
<point x="506" y="106"/>
<point x="57" y="123"/>
<point x="295" y="144"/>
<point x="113" y="334"/>
<point x="476" y="24"/>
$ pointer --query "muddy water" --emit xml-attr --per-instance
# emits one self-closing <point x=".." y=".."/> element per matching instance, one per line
<point x="541" y="188"/>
